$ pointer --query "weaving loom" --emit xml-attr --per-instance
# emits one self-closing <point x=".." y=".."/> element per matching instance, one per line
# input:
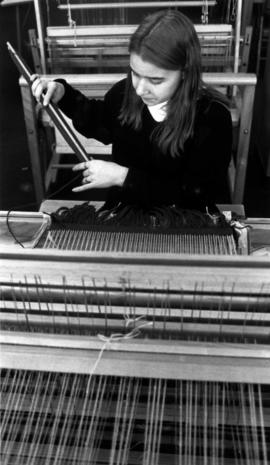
<point x="136" y="229"/>
<point x="134" y="349"/>
<point x="134" y="358"/>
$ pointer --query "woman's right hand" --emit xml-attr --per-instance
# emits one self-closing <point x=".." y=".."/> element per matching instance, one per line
<point x="52" y="90"/>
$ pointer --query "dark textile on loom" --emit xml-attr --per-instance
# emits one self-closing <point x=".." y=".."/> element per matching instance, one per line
<point x="194" y="180"/>
<point x="134" y="217"/>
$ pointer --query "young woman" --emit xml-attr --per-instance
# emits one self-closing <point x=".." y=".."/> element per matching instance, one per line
<point x="171" y="135"/>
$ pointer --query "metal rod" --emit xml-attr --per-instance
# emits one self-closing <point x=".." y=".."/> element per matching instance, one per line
<point x="40" y="34"/>
<point x="43" y="293"/>
<point x="237" y="35"/>
<point x="14" y="2"/>
<point x="52" y="110"/>
<point x="85" y="6"/>
<point x="18" y="28"/>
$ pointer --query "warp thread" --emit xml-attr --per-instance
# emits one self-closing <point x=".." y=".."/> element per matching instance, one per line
<point x="119" y="337"/>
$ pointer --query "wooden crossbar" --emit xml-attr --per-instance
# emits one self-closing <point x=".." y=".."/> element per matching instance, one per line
<point x="147" y="359"/>
<point x="106" y="47"/>
<point x="144" y="4"/>
<point x="121" y="30"/>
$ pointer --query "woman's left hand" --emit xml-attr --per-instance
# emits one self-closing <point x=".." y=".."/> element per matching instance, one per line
<point x="100" y="174"/>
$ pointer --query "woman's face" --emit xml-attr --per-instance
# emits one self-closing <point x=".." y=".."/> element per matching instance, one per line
<point x="154" y="85"/>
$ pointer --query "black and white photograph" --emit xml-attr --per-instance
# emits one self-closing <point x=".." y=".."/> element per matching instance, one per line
<point x="135" y="232"/>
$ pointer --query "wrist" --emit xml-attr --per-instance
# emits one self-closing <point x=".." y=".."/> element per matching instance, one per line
<point x="123" y="171"/>
<point x="60" y="91"/>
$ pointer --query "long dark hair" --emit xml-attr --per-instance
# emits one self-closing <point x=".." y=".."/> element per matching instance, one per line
<point x="168" y="40"/>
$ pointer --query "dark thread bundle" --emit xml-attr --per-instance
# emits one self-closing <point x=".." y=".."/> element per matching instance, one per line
<point x="133" y="216"/>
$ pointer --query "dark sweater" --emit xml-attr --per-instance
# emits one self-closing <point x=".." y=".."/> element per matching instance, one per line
<point x="195" y="179"/>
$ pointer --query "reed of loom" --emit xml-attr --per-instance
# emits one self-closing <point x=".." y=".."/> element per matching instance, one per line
<point x="100" y="239"/>
<point x="134" y="359"/>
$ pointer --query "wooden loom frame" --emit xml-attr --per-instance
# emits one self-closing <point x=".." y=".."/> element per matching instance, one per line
<point x="167" y="359"/>
<point x="105" y="48"/>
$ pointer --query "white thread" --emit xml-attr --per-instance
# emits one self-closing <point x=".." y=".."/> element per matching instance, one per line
<point x="204" y="17"/>
<point x="72" y="23"/>
<point x="117" y="337"/>
<point x="50" y="239"/>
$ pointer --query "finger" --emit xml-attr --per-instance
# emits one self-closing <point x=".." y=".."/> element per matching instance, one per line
<point x="80" y="166"/>
<point x="33" y="77"/>
<point x="49" y="93"/>
<point x="37" y="88"/>
<point x="84" y="187"/>
<point x="87" y="179"/>
<point x="35" y="84"/>
<point x="88" y="174"/>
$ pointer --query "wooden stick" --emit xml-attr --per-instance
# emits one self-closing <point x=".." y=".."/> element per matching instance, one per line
<point x="182" y="3"/>
<point x="148" y="359"/>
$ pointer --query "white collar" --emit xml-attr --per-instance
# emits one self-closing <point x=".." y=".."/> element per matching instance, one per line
<point x="159" y="111"/>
